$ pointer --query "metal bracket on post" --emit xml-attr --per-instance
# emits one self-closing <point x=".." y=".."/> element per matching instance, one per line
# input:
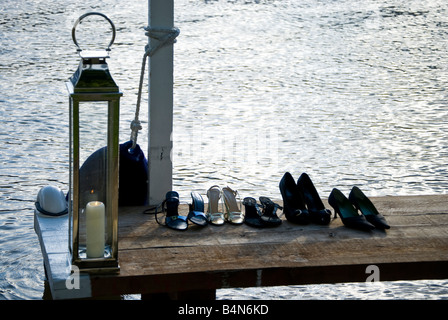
<point x="160" y="102"/>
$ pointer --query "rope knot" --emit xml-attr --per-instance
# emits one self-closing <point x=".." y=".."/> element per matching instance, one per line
<point x="165" y="36"/>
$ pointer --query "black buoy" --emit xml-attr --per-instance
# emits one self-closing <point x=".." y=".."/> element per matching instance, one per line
<point x="133" y="176"/>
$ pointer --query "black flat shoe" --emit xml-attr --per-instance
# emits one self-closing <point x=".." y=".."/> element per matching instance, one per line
<point x="252" y="213"/>
<point x="173" y="220"/>
<point x="318" y="213"/>
<point x="269" y="214"/>
<point x="196" y="213"/>
<point x="349" y="215"/>
<point x="363" y="204"/>
<point x="293" y="203"/>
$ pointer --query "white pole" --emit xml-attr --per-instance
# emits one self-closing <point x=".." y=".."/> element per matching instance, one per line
<point x="160" y="105"/>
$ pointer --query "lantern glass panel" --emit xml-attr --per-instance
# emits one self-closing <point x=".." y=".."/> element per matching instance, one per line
<point x="92" y="175"/>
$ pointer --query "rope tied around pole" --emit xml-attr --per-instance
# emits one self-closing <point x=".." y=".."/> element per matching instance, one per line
<point x="165" y="36"/>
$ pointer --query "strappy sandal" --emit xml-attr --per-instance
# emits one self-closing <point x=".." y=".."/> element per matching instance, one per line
<point x="253" y="213"/>
<point x="234" y="214"/>
<point x="196" y="213"/>
<point x="172" y="219"/>
<point x="214" y="215"/>
<point x="269" y="214"/>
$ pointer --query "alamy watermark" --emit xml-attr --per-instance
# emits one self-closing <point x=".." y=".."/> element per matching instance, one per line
<point x="374" y="272"/>
<point x="73" y="281"/>
<point x="234" y="148"/>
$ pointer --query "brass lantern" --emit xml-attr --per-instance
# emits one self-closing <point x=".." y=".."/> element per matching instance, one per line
<point x="94" y="102"/>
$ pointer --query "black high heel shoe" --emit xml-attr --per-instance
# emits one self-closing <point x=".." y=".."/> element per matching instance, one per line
<point x="349" y="215"/>
<point x="363" y="204"/>
<point x="293" y="203"/>
<point x="269" y="214"/>
<point x="318" y="213"/>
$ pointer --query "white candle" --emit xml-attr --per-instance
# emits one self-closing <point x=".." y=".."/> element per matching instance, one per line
<point x="95" y="229"/>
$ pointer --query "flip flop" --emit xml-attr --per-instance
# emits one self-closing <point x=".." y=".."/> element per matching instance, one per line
<point x="196" y="213"/>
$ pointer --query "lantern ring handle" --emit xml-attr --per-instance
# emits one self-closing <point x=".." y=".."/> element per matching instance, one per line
<point x="90" y="14"/>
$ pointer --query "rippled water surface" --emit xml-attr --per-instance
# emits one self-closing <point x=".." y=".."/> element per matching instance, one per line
<point x="350" y="92"/>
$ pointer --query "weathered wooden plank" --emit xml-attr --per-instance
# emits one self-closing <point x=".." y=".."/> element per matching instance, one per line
<point x="409" y="214"/>
<point x="295" y="253"/>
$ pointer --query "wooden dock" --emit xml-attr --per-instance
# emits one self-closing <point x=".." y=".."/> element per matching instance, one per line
<point x="156" y="261"/>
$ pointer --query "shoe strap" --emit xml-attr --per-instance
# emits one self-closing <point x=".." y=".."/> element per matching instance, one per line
<point x="237" y="197"/>
<point x="273" y="212"/>
<point x="234" y="214"/>
<point x="213" y="187"/>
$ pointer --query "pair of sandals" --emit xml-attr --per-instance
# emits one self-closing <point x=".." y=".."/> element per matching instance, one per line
<point x="261" y="216"/>
<point x="178" y="222"/>
<point x="215" y="213"/>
